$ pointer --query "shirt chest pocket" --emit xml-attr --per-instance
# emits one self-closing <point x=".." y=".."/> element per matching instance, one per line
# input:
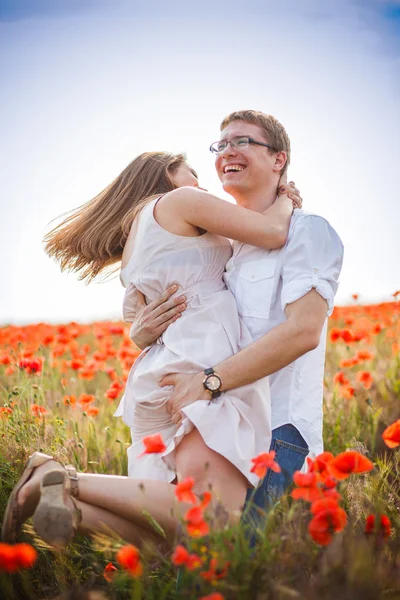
<point x="255" y="287"/>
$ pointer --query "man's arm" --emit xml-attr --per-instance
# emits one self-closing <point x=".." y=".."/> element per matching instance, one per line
<point x="280" y="346"/>
<point x="273" y="351"/>
<point x="312" y="262"/>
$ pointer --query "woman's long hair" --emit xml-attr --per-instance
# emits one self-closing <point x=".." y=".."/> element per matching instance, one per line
<point x="92" y="238"/>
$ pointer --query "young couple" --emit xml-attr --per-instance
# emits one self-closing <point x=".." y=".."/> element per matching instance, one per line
<point x="233" y="335"/>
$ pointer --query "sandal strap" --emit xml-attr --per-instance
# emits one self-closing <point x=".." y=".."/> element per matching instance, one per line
<point x="73" y="481"/>
<point x="78" y="512"/>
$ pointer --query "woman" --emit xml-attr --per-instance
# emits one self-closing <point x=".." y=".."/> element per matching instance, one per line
<point x="164" y="230"/>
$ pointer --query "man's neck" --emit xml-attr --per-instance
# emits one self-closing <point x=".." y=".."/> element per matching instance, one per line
<point x="257" y="200"/>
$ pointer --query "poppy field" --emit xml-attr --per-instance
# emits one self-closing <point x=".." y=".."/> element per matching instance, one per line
<point x="334" y="535"/>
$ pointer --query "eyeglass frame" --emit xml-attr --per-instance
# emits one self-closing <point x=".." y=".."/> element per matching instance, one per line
<point x="250" y="141"/>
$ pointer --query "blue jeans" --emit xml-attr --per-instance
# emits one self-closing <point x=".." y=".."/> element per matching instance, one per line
<point x="291" y="451"/>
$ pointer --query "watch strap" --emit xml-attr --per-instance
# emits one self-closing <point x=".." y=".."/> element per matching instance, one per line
<point x="215" y="393"/>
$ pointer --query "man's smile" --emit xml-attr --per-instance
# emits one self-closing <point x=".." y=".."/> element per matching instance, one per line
<point x="233" y="168"/>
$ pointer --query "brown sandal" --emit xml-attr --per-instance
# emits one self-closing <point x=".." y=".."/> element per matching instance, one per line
<point x="54" y="520"/>
<point x="13" y="517"/>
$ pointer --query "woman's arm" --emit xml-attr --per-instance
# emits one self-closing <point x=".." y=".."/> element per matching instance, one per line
<point x="203" y="210"/>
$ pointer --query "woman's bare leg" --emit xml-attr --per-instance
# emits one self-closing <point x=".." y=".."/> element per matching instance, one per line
<point x="211" y="470"/>
<point x="124" y="497"/>
<point x="132" y="498"/>
<point x="99" y="520"/>
<point x="129" y="497"/>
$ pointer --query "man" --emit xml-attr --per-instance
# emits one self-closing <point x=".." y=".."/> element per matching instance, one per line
<point x="284" y="297"/>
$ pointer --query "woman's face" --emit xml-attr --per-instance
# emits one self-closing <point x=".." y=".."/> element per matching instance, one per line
<point x="184" y="176"/>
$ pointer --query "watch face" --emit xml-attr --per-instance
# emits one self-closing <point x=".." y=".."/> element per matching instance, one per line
<point x="213" y="383"/>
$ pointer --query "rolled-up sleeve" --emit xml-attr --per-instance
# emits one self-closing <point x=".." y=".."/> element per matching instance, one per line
<point x="312" y="258"/>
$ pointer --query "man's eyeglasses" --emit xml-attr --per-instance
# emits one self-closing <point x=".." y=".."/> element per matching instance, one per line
<point x="241" y="143"/>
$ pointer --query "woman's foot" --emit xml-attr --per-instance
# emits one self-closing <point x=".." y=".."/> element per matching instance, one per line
<point x="25" y="496"/>
<point x="56" y="517"/>
<point x="29" y="495"/>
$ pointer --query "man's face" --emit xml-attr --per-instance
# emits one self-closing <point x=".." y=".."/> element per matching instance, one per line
<point x="256" y="163"/>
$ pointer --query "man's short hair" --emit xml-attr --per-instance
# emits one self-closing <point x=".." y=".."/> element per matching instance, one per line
<point x="274" y="132"/>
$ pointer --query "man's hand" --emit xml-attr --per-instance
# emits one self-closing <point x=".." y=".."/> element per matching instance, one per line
<point x="151" y="320"/>
<point x="187" y="389"/>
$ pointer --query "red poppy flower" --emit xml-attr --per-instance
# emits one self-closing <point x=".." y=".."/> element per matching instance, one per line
<point x="307" y="489"/>
<point x="5" y="411"/>
<point x="341" y="378"/>
<point x="334" y="334"/>
<point x="346" y="463"/>
<point x="129" y="558"/>
<point x="15" y="557"/>
<point x="318" y="465"/>
<point x="206" y="499"/>
<point x="213" y="596"/>
<point x="365" y="378"/>
<point x="305" y="479"/>
<point x="71" y="399"/>
<point x="38" y="411"/>
<point x="385" y="525"/>
<point x="215" y="571"/>
<point x="92" y="411"/>
<point x="327" y="520"/>
<point x="391" y="435"/>
<point x="348" y="363"/>
<point x="112" y="393"/>
<point x="86" y="399"/>
<point x="181" y="557"/>
<point x="348" y="392"/>
<point x="184" y="491"/>
<point x="196" y="524"/>
<point x="323" y="504"/>
<point x="198" y="529"/>
<point x="109" y="572"/>
<point x="263" y="462"/>
<point x="76" y="364"/>
<point x="153" y="444"/>
<point x="347" y="336"/>
<point x="364" y="355"/>
<point x="377" y="328"/>
<point x="8" y="558"/>
<point x="31" y="365"/>
<point x="369" y="524"/>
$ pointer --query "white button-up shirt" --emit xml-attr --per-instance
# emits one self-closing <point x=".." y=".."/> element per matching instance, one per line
<point x="263" y="283"/>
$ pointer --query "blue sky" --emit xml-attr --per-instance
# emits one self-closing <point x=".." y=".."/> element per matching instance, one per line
<point x="89" y="85"/>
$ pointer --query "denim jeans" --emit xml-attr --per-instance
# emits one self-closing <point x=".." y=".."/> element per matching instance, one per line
<point x="291" y="451"/>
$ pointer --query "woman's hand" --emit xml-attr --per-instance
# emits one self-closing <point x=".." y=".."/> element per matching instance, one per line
<point x="151" y="320"/>
<point x="289" y="190"/>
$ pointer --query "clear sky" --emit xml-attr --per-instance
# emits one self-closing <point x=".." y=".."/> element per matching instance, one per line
<point x="88" y="85"/>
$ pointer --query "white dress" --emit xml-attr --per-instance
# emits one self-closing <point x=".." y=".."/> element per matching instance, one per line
<point x="237" y="425"/>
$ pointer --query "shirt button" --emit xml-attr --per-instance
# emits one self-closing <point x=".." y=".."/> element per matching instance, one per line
<point x="252" y="277"/>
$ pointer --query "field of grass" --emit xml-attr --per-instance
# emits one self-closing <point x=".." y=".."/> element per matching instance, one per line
<point x="59" y="388"/>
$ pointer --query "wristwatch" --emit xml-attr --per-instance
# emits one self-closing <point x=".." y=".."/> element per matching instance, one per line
<point x="212" y="383"/>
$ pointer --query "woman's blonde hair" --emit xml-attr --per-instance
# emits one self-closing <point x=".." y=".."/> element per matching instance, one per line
<point x="92" y="238"/>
